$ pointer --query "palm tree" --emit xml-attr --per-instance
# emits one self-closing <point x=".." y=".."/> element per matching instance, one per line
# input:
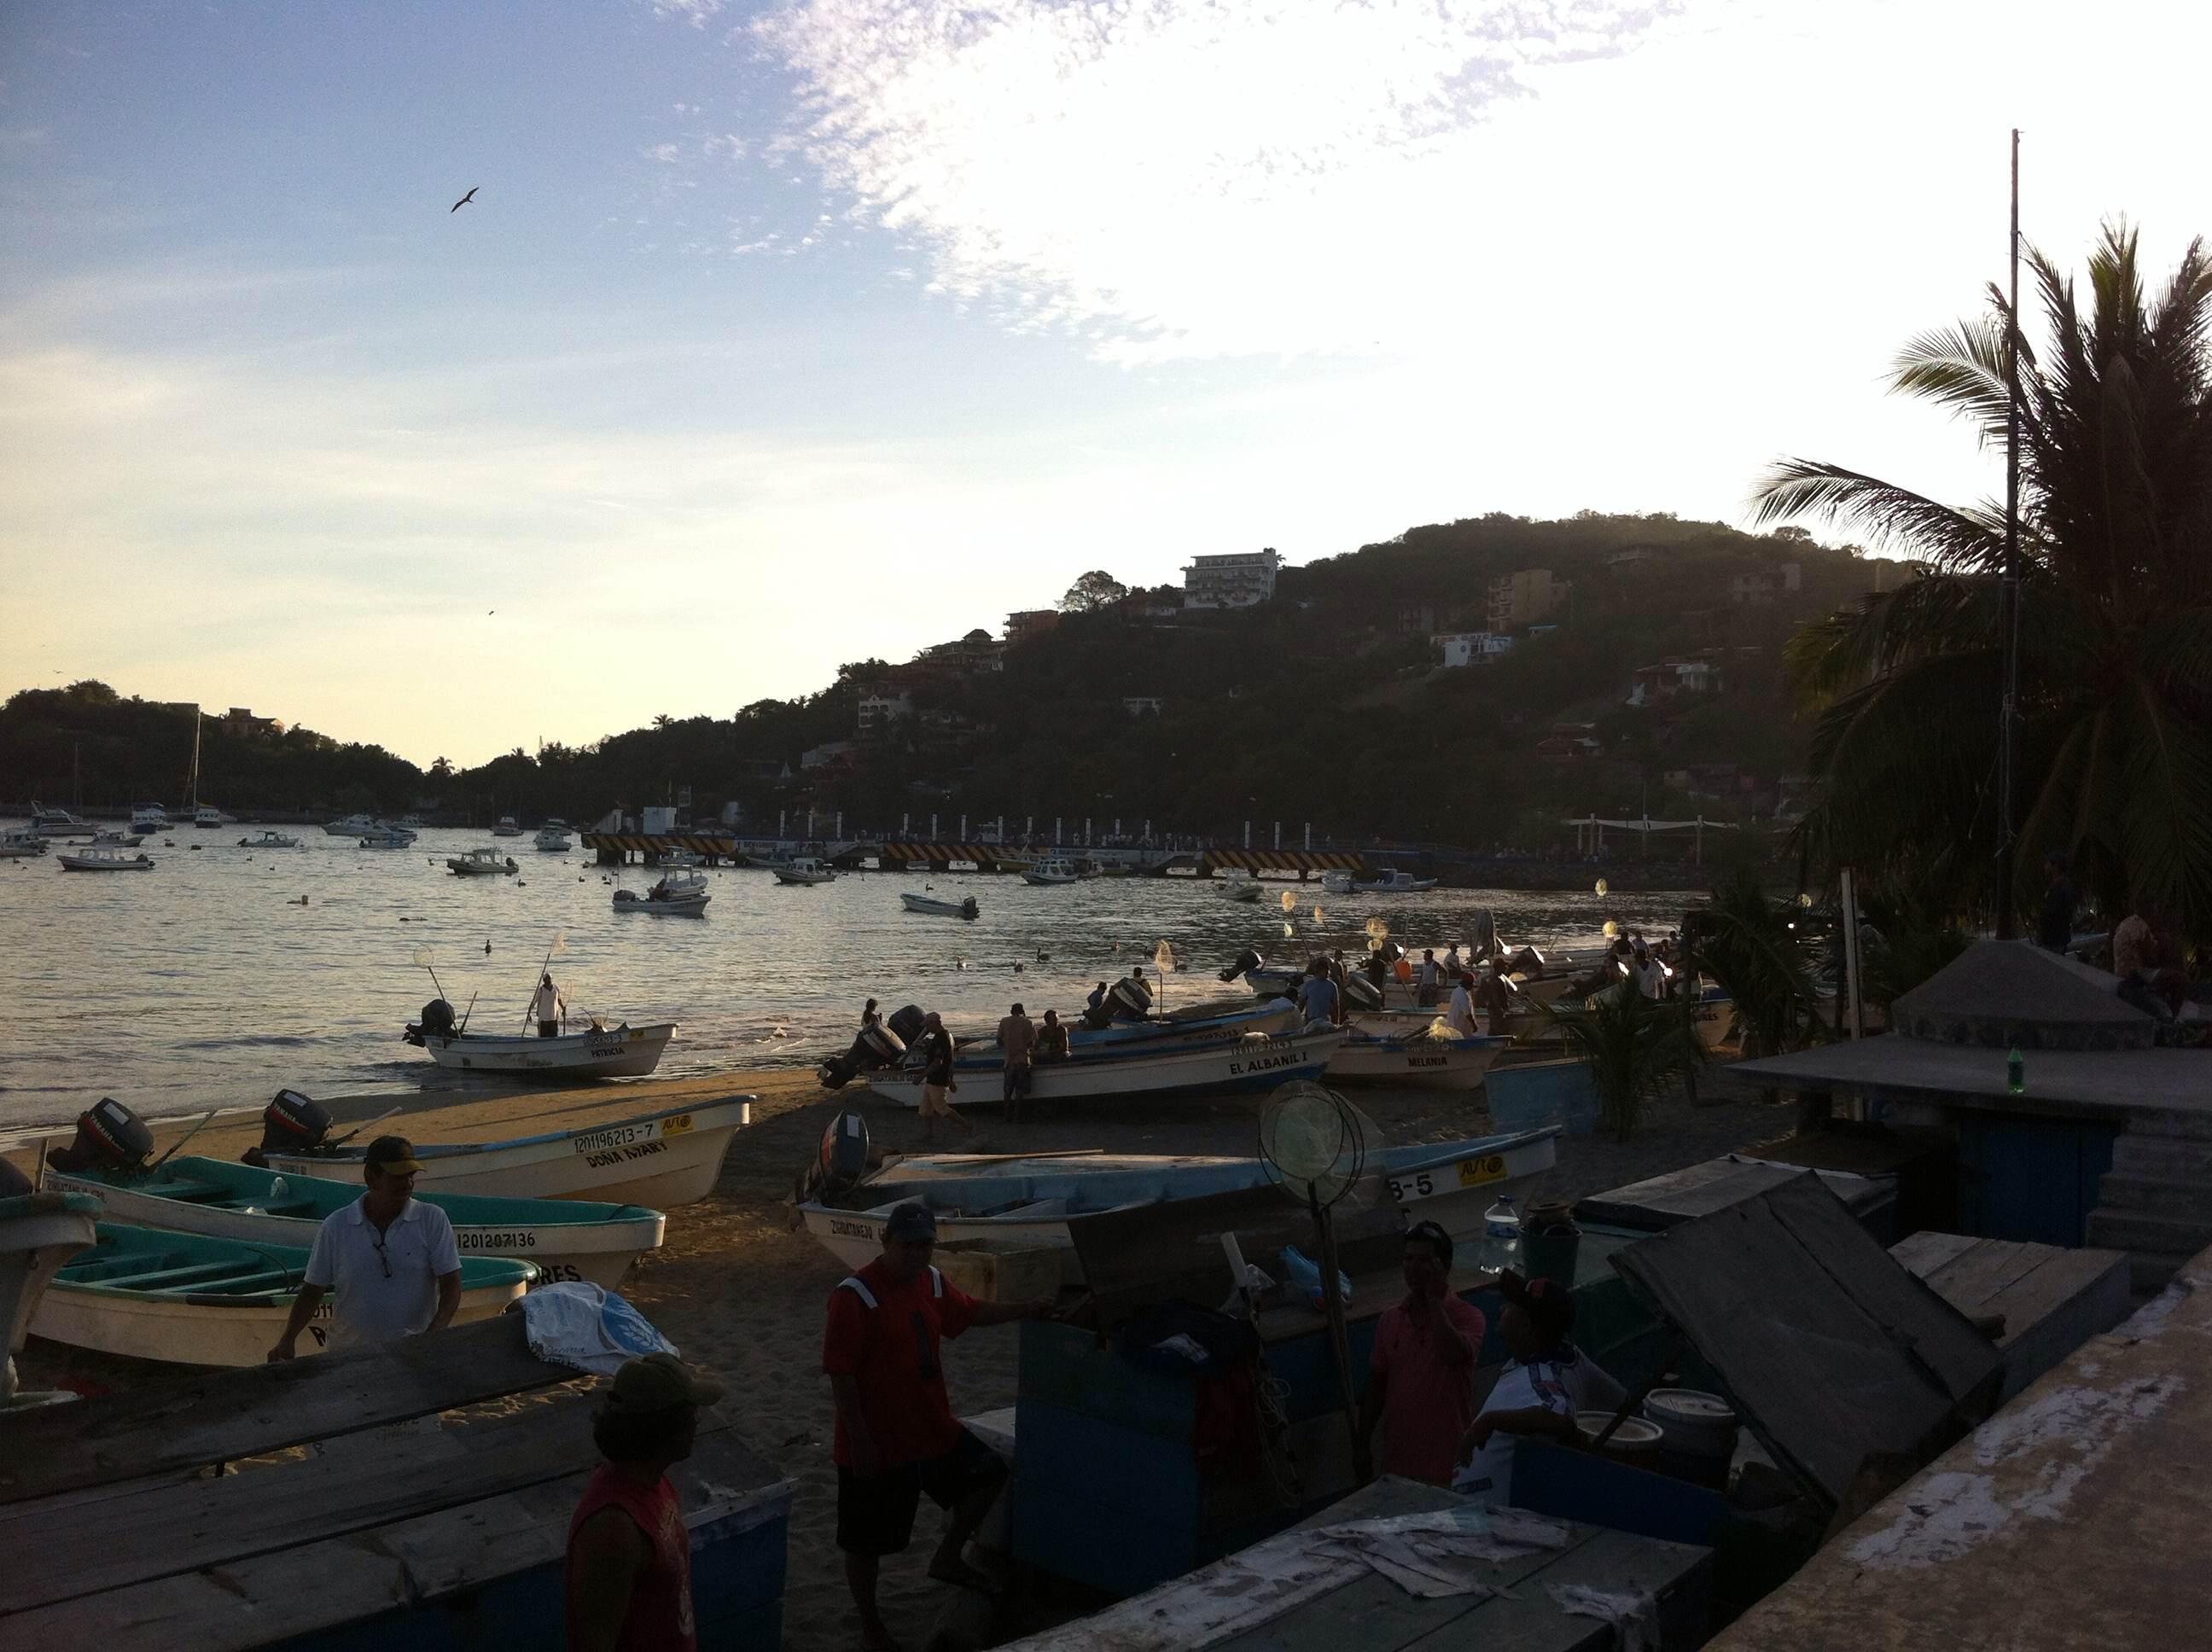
<point x="1636" y="1049"/>
<point x="2115" y="729"/>
<point x="1761" y="950"/>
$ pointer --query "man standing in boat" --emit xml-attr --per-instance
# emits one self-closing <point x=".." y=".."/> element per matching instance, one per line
<point x="547" y="1007"/>
<point x="1018" y="1045"/>
<point x="896" y="1436"/>
<point x="936" y="1081"/>
<point x="391" y="1260"/>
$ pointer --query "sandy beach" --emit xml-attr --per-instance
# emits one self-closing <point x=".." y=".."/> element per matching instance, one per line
<point x="735" y="1289"/>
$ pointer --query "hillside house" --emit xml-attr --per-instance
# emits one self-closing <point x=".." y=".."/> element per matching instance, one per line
<point x="241" y="723"/>
<point x="1243" y="580"/>
<point x="1525" y="598"/>
<point x="1760" y="589"/>
<point x="1464" y="648"/>
<point x="880" y="710"/>
<point x="830" y="754"/>
<point x="1030" y="624"/>
<point x="1655" y="684"/>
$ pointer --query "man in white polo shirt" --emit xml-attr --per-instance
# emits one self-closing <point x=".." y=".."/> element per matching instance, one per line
<point x="390" y="1258"/>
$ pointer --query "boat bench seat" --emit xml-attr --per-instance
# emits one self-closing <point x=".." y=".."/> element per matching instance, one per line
<point x="163" y="1278"/>
<point x="252" y="1284"/>
<point x="194" y="1192"/>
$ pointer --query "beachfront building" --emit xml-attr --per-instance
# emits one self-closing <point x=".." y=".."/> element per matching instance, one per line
<point x="1244" y="580"/>
<point x="1526" y="597"/>
<point x="1464" y="648"/>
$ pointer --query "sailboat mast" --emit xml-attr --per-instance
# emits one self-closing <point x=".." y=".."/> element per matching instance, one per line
<point x="192" y="780"/>
<point x="2008" y="584"/>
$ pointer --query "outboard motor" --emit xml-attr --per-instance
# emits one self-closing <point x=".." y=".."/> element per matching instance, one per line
<point x="1127" y="999"/>
<point x="109" y="1137"/>
<point x="876" y="1047"/>
<point x="908" y="1022"/>
<point x="1361" y="994"/>
<point x="837" y="1166"/>
<point x="293" y="1123"/>
<point x="1247" y="961"/>
<point x="436" y="1022"/>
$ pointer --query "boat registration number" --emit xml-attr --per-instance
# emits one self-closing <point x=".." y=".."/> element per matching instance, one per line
<point x="619" y="1135"/>
<point x="1472" y="1173"/>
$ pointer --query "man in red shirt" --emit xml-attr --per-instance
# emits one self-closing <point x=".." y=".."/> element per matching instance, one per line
<point x="1418" y="1381"/>
<point x="896" y="1437"/>
<point x="628" y="1564"/>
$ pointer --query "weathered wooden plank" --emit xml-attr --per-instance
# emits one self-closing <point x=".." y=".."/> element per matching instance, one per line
<point x="1926" y="1251"/>
<point x="1530" y="1620"/>
<point x="189" y="1525"/>
<point x="184" y="1422"/>
<point x="1700" y="1189"/>
<point x="274" y="1597"/>
<point x="1985" y="1274"/>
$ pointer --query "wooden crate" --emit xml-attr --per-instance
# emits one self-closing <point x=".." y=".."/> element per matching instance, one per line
<point x="992" y="1271"/>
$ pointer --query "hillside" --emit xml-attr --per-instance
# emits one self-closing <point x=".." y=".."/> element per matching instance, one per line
<point x="1329" y="703"/>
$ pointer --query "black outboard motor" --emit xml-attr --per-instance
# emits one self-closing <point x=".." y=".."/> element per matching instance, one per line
<point x="437" y="1022"/>
<point x="908" y="1022"/>
<point x="876" y="1047"/>
<point x="1361" y="994"/>
<point x="837" y="1165"/>
<point x="293" y="1123"/>
<point x="1127" y="999"/>
<point x="109" y="1137"/>
<point x="1247" y="961"/>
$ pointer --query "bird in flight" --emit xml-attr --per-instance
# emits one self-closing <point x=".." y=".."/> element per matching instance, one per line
<point x="464" y="200"/>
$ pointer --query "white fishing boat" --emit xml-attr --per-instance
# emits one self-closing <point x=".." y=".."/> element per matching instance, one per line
<point x="413" y="823"/>
<point x="1162" y="1033"/>
<point x="148" y="818"/>
<point x="185" y="1299"/>
<point x="1388" y="881"/>
<point x="479" y="862"/>
<point x="38" y="1232"/>
<point x="506" y="828"/>
<point x="208" y="816"/>
<point x="1256" y="1062"/>
<point x="58" y="822"/>
<point x="803" y="870"/>
<point x="553" y="838"/>
<point x="1237" y="885"/>
<point x="354" y="825"/>
<point x="1423" y="1061"/>
<point x="104" y="860"/>
<point x="1026" y="1201"/>
<point x="937" y="908"/>
<point x="676" y="895"/>
<point x="381" y="836"/>
<point x="660" y="1160"/>
<point x="566" y="1238"/>
<point x="1053" y="871"/>
<point x="269" y="840"/>
<point x="16" y="844"/>
<point x="622" y="1052"/>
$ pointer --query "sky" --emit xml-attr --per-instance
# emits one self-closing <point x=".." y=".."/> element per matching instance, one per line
<point x="779" y="336"/>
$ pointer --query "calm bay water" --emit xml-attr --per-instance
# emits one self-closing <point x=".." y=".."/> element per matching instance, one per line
<point x="202" y="983"/>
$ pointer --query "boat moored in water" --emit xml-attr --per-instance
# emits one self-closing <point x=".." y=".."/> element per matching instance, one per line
<point x="929" y="904"/>
<point x="620" y="1052"/>
<point x="269" y="840"/>
<point x="381" y="836"/>
<point x="506" y="828"/>
<point x="17" y="845"/>
<point x="104" y="860"/>
<point x="553" y="838"/>
<point x="354" y="825"/>
<point x="480" y="862"/>
<point x="676" y="895"/>
<point x="1051" y="871"/>
<point x="58" y="822"/>
<point x="803" y="871"/>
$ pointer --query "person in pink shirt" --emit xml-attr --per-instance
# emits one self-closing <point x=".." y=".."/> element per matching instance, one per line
<point x="1419" y="1380"/>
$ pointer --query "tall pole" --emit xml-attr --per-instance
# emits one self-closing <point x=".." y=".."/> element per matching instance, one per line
<point x="2009" y="585"/>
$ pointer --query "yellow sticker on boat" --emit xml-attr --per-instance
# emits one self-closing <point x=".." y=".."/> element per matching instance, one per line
<point x="1473" y="1172"/>
<point x="676" y="1125"/>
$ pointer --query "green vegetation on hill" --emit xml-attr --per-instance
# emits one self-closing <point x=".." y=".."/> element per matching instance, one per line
<point x="1328" y="704"/>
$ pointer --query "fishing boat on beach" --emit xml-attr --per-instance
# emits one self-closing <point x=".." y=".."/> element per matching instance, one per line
<point x="566" y="1238"/>
<point x="553" y="838"/>
<point x="480" y="862"/>
<point x="188" y="1299"/>
<point x="678" y="894"/>
<point x="39" y="1233"/>
<point x="1163" y="1033"/>
<point x="658" y="1160"/>
<point x="1025" y="1201"/>
<point x="104" y="860"/>
<point x="937" y="908"/>
<point x="1252" y="1063"/>
<point x="803" y="871"/>
<point x="1424" y="1061"/>
<point x="269" y="840"/>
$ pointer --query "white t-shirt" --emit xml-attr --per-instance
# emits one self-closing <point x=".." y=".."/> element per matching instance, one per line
<point x="545" y="1003"/>
<point x="1460" y="1015"/>
<point x="1561" y="1386"/>
<point x="1428" y="972"/>
<point x="371" y="1308"/>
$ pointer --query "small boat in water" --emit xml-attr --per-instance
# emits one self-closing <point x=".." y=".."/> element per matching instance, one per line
<point x="1388" y="881"/>
<point x="962" y="909"/>
<point x="19" y="845"/>
<point x="567" y="1239"/>
<point x="187" y="1299"/>
<point x="1054" y="870"/>
<point x="1252" y="1063"/>
<point x="1026" y="1200"/>
<point x="480" y="862"/>
<point x="207" y="815"/>
<point x="104" y="860"/>
<point x="660" y="1160"/>
<point x="148" y="819"/>
<point x="678" y="894"/>
<point x="269" y="840"/>
<point x="622" y="1052"/>
<point x="117" y="839"/>
<point x="58" y="822"/>
<point x="803" y="871"/>
<point x="355" y="825"/>
<point x="1234" y="885"/>
<point x="506" y="828"/>
<point x="553" y="838"/>
<point x="381" y="836"/>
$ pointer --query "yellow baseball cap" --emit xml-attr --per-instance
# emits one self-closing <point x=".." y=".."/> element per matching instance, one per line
<point x="660" y="1383"/>
<point x="394" y="1155"/>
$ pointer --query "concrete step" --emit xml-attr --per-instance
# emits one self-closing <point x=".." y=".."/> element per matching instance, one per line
<point x="2140" y="1230"/>
<point x="2188" y="1123"/>
<point x="2149" y="1272"/>
<point x="2138" y="1152"/>
<point x="2189" y="1199"/>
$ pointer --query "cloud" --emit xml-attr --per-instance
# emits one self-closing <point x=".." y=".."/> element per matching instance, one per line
<point x="693" y="12"/>
<point x="667" y="153"/>
<point x="1182" y="178"/>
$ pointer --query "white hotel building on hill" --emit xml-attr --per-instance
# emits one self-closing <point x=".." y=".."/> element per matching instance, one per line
<point x="1240" y="582"/>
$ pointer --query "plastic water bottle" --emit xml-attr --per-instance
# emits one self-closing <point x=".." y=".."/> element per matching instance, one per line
<point x="277" y="1193"/>
<point x="1304" y="1277"/>
<point x="1501" y="1235"/>
<point x="2016" y="1072"/>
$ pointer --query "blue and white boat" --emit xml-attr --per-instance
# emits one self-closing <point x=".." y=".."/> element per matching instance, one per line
<point x="1026" y="1201"/>
<point x="567" y="1238"/>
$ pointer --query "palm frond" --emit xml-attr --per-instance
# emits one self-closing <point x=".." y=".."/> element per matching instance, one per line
<point x="1961" y="368"/>
<point x="1952" y="540"/>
